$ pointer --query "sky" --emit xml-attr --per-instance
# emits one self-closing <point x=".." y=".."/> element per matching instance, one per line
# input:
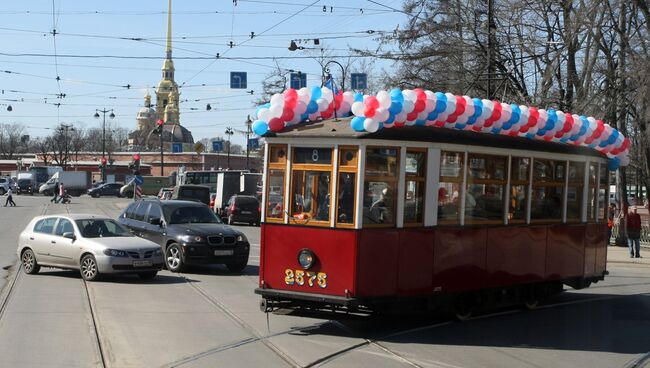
<point x="107" y="54"/>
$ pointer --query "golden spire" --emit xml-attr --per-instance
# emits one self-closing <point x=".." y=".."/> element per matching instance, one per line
<point x="169" y="31"/>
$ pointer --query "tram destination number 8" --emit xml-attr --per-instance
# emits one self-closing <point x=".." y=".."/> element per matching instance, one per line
<point x="301" y="277"/>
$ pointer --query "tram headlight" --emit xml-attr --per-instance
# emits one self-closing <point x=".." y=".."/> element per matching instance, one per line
<point x="306" y="258"/>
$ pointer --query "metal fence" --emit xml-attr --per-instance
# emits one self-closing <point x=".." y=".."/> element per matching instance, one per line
<point x="645" y="233"/>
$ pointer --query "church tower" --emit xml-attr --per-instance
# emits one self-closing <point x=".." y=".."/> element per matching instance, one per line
<point x="167" y="86"/>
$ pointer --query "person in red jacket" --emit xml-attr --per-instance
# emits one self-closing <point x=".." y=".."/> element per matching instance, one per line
<point x="634" y="233"/>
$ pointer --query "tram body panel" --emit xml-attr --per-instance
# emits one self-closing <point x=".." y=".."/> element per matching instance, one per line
<point x="591" y="248"/>
<point x="596" y="235"/>
<point x="459" y="260"/>
<point x="516" y="255"/>
<point x="415" y="265"/>
<point x="378" y="256"/>
<point x="336" y="259"/>
<point x="565" y="248"/>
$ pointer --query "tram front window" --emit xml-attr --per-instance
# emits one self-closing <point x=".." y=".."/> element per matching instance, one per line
<point x="310" y="197"/>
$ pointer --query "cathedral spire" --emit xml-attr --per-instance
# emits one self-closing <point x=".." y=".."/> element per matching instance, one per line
<point x="169" y="31"/>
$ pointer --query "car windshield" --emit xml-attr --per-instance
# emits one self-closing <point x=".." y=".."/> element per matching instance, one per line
<point x="24" y="181"/>
<point x="191" y="215"/>
<point x="101" y="228"/>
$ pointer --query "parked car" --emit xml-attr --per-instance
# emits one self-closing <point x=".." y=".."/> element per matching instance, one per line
<point x="189" y="232"/>
<point x="243" y="208"/>
<point x="109" y="189"/>
<point x="165" y="193"/>
<point x="197" y="193"/>
<point x="5" y="184"/>
<point x="92" y="244"/>
<point x="25" y="186"/>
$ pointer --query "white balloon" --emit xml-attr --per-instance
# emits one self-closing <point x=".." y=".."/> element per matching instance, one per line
<point x="345" y="107"/>
<point x="327" y="94"/>
<point x="348" y="97"/>
<point x="523" y="116"/>
<point x="408" y="106"/>
<point x="304" y="95"/>
<point x="451" y="103"/>
<point x="543" y="117"/>
<point x="401" y="116"/>
<point x="301" y="107"/>
<point x="381" y="114"/>
<point x="430" y="105"/>
<point x="625" y="160"/>
<point x="276" y="111"/>
<point x="422" y="116"/>
<point x="384" y="99"/>
<point x="462" y="119"/>
<point x="430" y="95"/>
<point x="314" y="116"/>
<point x="322" y="104"/>
<point x="409" y="95"/>
<point x="358" y="108"/>
<point x="371" y="125"/>
<point x="488" y="107"/>
<point x="506" y="113"/>
<point x="277" y="99"/>
<point x="263" y="114"/>
<point x="442" y="117"/>
<point x="410" y="122"/>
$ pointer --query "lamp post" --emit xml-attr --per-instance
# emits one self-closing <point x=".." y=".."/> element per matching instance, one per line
<point x="64" y="128"/>
<point x="112" y="115"/>
<point x="248" y="142"/>
<point x="160" y="124"/>
<point x="326" y="69"/>
<point x="229" y="132"/>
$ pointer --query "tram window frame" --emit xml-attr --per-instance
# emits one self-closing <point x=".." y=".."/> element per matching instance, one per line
<point x="556" y="180"/>
<point x="493" y="178"/>
<point x="391" y="190"/>
<point x="575" y="180"/>
<point x="277" y="163"/>
<point x="420" y="179"/>
<point x="346" y="166"/>
<point x="518" y="179"/>
<point x="603" y="193"/>
<point x="304" y="169"/>
<point x="592" y="191"/>
<point x="457" y="180"/>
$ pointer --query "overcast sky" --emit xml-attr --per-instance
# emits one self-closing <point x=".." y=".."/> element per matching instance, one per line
<point x="102" y="47"/>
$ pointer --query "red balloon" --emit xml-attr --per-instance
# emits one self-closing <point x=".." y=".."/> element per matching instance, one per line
<point x="568" y="124"/>
<point x="369" y="112"/>
<point x="372" y="102"/>
<point x="412" y="115"/>
<point x="276" y="124"/>
<point x="452" y="118"/>
<point x="533" y="117"/>
<point x="291" y="93"/>
<point x="326" y="114"/>
<point x="399" y="124"/>
<point x="290" y="103"/>
<point x="420" y="94"/>
<point x="461" y="105"/>
<point x="419" y="106"/>
<point x="439" y="124"/>
<point x="287" y="114"/>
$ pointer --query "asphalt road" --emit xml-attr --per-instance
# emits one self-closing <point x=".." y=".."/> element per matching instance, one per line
<point x="210" y="318"/>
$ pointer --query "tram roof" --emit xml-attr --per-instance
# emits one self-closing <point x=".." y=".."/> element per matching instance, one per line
<point x="341" y="129"/>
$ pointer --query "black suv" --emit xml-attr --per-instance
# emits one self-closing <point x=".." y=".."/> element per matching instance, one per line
<point x="189" y="233"/>
<point x="25" y="186"/>
<point x="243" y="208"/>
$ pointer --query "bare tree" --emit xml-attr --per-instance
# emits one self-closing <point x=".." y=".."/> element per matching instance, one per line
<point x="10" y="140"/>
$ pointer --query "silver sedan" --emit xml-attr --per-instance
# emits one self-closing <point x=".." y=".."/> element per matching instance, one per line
<point x="92" y="244"/>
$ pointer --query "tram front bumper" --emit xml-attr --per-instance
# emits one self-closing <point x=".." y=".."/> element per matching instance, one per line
<point x="296" y="297"/>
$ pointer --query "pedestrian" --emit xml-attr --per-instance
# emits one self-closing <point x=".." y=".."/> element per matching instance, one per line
<point x="611" y="215"/>
<point x="61" y="192"/>
<point x="10" y="198"/>
<point x="634" y="233"/>
<point x="56" y="193"/>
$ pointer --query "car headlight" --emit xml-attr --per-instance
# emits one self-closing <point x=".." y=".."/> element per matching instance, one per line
<point x="157" y="252"/>
<point x="191" y="238"/>
<point x="241" y="238"/>
<point x="115" y="253"/>
<point x="306" y="258"/>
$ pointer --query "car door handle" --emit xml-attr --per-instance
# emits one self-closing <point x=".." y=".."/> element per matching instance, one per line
<point x="31" y="238"/>
<point x="53" y="241"/>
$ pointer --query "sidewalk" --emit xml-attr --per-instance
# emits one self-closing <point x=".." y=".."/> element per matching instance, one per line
<point x="621" y="255"/>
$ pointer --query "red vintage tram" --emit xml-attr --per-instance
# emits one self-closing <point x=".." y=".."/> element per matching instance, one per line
<point x="361" y="220"/>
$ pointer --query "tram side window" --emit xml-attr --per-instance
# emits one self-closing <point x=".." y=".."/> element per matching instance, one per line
<point x="602" y="192"/>
<point x="574" y="191"/>
<point x="548" y="190"/>
<point x="519" y="182"/>
<point x="416" y="172"/>
<point x="275" y="183"/>
<point x="347" y="184"/>
<point x="592" y="192"/>
<point x="380" y="186"/>
<point x="486" y="183"/>
<point x="449" y="189"/>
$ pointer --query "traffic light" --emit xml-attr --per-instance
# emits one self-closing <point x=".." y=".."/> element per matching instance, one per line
<point x="159" y="126"/>
<point x="102" y="163"/>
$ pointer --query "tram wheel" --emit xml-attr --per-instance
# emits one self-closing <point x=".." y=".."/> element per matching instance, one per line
<point x="531" y="300"/>
<point x="462" y="308"/>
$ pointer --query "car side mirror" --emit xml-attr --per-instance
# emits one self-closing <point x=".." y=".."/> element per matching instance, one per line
<point x="156" y="221"/>
<point x="69" y="235"/>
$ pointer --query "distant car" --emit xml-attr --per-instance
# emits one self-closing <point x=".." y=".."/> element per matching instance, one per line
<point x="92" y="244"/>
<point x="109" y="189"/>
<point x="189" y="232"/>
<point x="25" y="186"/>
<point x="197" y="193"/>
<point x="165" y="193"/>
<point x="5" y="184"/>
<point x="243" y="208"/>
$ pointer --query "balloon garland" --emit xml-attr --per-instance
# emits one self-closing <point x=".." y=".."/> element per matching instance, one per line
<point x="397" y="108"/>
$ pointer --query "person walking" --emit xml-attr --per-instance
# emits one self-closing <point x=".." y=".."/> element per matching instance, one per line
<point x="56" y="193"/>
<point x="61" y="192"/>
<point x="611" y="215"/>
<point x="10" y="198"/>
<point x="634" y="233"/>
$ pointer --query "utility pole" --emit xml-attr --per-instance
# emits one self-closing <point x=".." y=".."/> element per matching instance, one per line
<point x="492" y="28"/>
<point x="229" y="132"/>
<point x="248" y="143"/>
<point x="112" y="115"/>
<point x="64" y="129"/>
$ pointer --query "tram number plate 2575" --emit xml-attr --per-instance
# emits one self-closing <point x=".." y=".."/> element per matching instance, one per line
<point x="302" y="278"/>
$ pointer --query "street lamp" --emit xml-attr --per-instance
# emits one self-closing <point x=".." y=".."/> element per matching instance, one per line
<point x="326" y="69"/>
<point x="229" y="132"/>
<point x="112" y="115"/>
<point x="160" y="124"/>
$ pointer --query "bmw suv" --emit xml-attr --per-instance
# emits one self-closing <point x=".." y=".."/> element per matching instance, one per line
<point x="188" y="232"/>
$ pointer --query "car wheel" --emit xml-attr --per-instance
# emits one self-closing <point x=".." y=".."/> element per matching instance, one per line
<point x="30" y="266"/>
<point x="173" y="258"/>
<point x="147" y="275"/>
<point x="95" y="195"/>
<point x="2" y="191"/>
<point x="230" y="220"/>
<point x="237" y="266"/>
<point x="89" y="270"/>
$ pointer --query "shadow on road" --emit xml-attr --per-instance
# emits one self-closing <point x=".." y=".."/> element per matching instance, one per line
<point x="115" y="278"/>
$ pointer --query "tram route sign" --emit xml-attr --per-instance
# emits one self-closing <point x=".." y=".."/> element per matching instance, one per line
<point x="177" y="147"/>
<point x="298" y="80"/>
<point x="238" y="80"/>
<point x="217" y="146"/>
<point x="359" y="81"/>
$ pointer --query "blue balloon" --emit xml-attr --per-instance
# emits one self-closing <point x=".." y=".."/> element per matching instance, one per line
<point x="260" y="127"/>
<point x="613" y="164"/>
<point x="304" y="116"/>
<point x="478" y="108"/>
<point x="460" y="126"/>
<point x="612" y="137"/>
<point x="441" y="102"/>
<point x="541" y="132"/>
<point x="357" y="123"/>
<point x="316" y="93"/>
<point x="530" y="136"/>
<point x="312" y="107"/>
<point x="391" y="119"/>
<point x="358" y="97"/>
<point x="396" y="95"/>
<point x="395" y="107"/>
<point x="585" y="125"/>
<point x="495" y="130"/>
<point x="420" y="122"/>
<point x="552" y="117"/>
<point x="432" y="115"/>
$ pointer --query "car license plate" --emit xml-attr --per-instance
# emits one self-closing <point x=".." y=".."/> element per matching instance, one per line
<point x="227" y="252"/>
<point x="246" y="212"/>
<point x="141" y="263"/>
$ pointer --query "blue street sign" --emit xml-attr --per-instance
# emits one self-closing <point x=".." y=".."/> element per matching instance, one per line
<point x="298" y="80"/>
<point x="359" y="81"/>
<point x="253" y="143"/>
<point x="238" y="80"/>
<point x="217" y="146"/>
<point x="139" y="180"/>
<point x="177" y="147"/>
